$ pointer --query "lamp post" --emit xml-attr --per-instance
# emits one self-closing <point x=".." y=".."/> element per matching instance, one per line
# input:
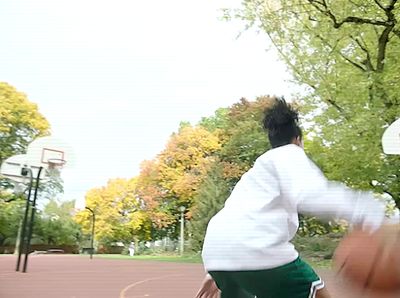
<point x="92" y="236"/>
<point x="182" y="210"/>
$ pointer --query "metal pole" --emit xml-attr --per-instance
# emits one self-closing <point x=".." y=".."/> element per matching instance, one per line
<point x="22" y="243"/>
<point x="17" y="240"/>
<point x="92" y="240"/>
<point x="182" y="209"/>
<point x="32" y="219"/>
<point x="92" y="236"/>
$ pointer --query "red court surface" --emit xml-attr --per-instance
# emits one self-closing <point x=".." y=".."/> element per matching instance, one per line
<point x="68" y="276"/>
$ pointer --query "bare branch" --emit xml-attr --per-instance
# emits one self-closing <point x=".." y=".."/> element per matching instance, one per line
<point x="391" y="5"/>
<point x="333" y="103"/>
<point x="396" y="32"/>
<point x="382" y="43"/>
<point x="368" y="61"/>
<point x="357" y="20"/>
<point x="391" y="17"/>
<point x="323" y="8"/>
<point x="360" y="67"/>
<point x="384" y="36"/>
<point x="355" y="4"/>
<point x="362" y="46"/>
<point x="379" y="4"/>
<point x="322" y="3"/>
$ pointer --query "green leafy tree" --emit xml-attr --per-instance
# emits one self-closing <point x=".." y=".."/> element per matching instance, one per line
<point x="10" y="218"/>
<point x="346" y="53"/>
<point x="243" y="136"/>
<point x="20" y="122"/>
<point x="210" y="199"/>
<point x="243" y="140"/>
<point x="218" y="121"/>
<point x="55" y="224"/>
<point x="120" y="213"/>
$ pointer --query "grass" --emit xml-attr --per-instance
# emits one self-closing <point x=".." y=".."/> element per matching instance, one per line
<point x="314" y="262"/>
<point x="316" y="251"/>
<point x="161" y="258"/>
<point x="317" y="263"/>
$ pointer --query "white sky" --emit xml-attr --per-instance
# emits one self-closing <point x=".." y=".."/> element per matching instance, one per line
<point x="115" y="78"/>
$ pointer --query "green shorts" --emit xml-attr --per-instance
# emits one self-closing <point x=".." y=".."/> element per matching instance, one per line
<point x="294" y="280"/>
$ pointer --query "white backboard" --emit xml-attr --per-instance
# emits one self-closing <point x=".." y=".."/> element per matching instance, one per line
<point x="39" y="153"/>
<point x="41" y="150"/>
<point x="391" y="138"/>
<point x="12" y="167"/>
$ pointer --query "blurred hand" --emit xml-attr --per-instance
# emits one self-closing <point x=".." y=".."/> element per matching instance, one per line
<point x="389" y="236"/>
<point x="208" y="289"/>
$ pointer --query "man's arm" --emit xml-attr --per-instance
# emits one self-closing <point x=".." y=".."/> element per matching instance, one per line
<point x="336" y="201"/>
<point x="304" y="184"/>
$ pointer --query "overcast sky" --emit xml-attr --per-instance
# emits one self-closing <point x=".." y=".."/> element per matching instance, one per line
<point x="115" y="78"/>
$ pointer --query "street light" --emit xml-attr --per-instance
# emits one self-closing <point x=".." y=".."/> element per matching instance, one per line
<point x="182" y="210"/>
<point x="92" y="236"/>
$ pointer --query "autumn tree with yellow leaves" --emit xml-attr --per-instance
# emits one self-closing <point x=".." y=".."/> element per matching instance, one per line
<point x="119" y="212"/>
<point x="20" y="122"/>
<point x="197" y="168"/>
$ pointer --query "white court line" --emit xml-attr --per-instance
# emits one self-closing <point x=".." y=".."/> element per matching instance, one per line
<point x="124" y="290"/>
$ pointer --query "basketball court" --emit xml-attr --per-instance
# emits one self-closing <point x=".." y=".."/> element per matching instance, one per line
<point x="77" y="276"/>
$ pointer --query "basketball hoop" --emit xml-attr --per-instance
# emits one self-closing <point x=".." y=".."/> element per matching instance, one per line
<point x="54" y="167"/>
<point x="56" y="163"/>
<point x="42" y="163"/>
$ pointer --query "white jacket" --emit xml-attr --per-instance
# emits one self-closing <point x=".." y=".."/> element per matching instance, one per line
<point x="254" y="229"/>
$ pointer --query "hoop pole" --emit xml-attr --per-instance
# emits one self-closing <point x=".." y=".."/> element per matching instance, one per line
<point x="21" y="245"/>
<point x="32" y="218"/>
<point x="92" y="236"/>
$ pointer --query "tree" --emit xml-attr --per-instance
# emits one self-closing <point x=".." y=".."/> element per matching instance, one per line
<point x="184" y="162"/>
<point x="152" y="196"/>
<point x="119" y="213"/>
<point x="245" y="139"/>
<point x="10" y="217"/>
<point x="210" y="199"/>
<point x="20" y="122"/>
<point x="346" y="53"/>
<point x="55" y="224"/>
<point x="218" y="122"/>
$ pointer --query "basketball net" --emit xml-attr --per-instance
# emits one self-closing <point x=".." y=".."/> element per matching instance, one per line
<point x="55" y="166"/>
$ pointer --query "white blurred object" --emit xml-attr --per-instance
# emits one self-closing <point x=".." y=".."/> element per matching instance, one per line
<point x="391" y="138"/>
<point x="395" y="217"/>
